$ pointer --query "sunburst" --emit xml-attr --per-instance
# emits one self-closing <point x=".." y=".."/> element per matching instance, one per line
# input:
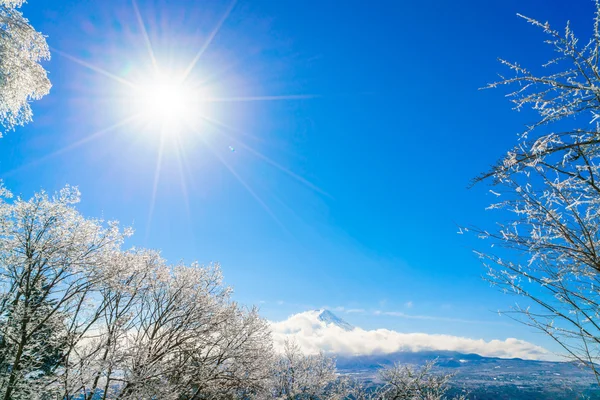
<point x="172" y="104"/>
<point x="167" y="102"/>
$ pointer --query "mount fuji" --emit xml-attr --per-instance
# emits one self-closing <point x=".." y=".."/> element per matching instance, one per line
<point x="330" y="318"/>
<point x="488" y="369"/>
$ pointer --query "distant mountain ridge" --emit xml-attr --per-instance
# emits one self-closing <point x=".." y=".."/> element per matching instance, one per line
<point x="485" y="377"/>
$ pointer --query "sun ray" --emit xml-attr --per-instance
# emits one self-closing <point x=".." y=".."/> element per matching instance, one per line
<point x="185" y="165"/>
<point x="72" y="146"/>
<point x="283" y="204"/>
<point x="263" y="157"/>
<point x="261" y="98"/>
<point x="94" y="68"/>
<point x="209" y="40"/>
<point x="245" y="185"/>
<point x="157" y="171"/>
<point x="215" y="75"/>
<point x="226" y="127"/>
<point x="179" y="157"/>
<point x="98" y="134"/>
<point x="140" y="20"/>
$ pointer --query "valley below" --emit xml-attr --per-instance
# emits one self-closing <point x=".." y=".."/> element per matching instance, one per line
<point x="487" y="377"/>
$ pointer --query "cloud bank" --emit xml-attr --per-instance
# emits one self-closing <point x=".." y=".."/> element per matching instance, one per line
<point x="314" y="335"/>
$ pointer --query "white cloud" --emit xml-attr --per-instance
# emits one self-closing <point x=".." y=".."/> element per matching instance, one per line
<point x="408" y="304"/>
<point x="314" y="335"/>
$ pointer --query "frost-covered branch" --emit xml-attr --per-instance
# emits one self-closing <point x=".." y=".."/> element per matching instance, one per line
<point x="22" y="77"/>
<point x="549" y="187"/>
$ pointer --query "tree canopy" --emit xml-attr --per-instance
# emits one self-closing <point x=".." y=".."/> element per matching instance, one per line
<point x="22" y="77"/>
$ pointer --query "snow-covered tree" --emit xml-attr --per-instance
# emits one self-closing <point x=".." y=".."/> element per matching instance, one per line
<point x="50" y="259"/>
<point x="298" y="376"/>
<point x="548" y="189"/>
<point x="22" y="77"/>
<point x="98" y="350"/>
<point x="42" y="353"/>
<point x="406" y="382"/>
<point x="173" y="333"/>
<point x="82" y="318"/>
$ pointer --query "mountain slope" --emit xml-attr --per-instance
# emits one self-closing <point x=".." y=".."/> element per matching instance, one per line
<point x="330" y="318"/>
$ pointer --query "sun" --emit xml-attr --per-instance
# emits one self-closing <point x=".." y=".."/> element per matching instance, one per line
<point x="172" y="104"/>
<point x="166" y="102"/>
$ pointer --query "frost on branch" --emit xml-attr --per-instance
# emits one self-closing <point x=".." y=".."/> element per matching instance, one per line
<point x="22" y="77"/>
<point x="550" y="203"/>
<point x="12" y="3"/>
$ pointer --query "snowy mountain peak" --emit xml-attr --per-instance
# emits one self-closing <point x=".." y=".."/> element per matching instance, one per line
<point x="330" y="318"/>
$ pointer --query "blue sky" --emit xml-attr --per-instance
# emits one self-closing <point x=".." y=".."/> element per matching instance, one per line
<point x="347" y="194"/>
